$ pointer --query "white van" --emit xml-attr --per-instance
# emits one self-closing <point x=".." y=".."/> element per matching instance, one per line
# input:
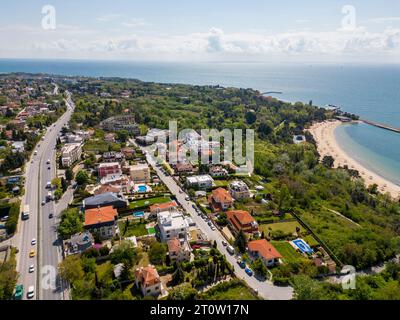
<point x="230" y="249"/>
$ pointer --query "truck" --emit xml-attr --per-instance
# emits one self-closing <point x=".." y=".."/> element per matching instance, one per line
<point x="230" y="249"/>
<point x="25" y="213"/>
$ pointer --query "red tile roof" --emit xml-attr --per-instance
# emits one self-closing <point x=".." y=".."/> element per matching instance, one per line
<point x="174" y="245"/>
<point x="100" y="215"/>
<point x="163" y="206"/>
<point x="147" y="275"/>
<point x="221" y="195"/>
<point x="242" y="216"/>
<point x="264" y="249"/>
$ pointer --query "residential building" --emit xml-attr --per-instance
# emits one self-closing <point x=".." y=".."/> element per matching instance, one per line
<point x="159" y="207"/>
<point x="148" y="281"/>
<point x="70" y="153"/>
<point x="218" y="171"/>
<point x="178" y="251"/>
<point x="102" y="221"/>
<point x="242" y="221"/>
<point x="239" y="190"/>
<point x="184" y="168"/>
<point x="140" y="173"/>
<point x="109" y="137"/>
<point x="109" y="168"/>
<point x="18" y="146"/>
<point x="220" y="199"/>
<point x="264" y="250"/>
<point x="113" y="156"/>
<point x="128" y="153"/>
<point x="118" y="123"/>
<point x="78" y="243"/>
<point x="172" y="224"/>
<point x="200" y="182"/>
<point x="115" y="200"/>
<point x="107" y="188"/>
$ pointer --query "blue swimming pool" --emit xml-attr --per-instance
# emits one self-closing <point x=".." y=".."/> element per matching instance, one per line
<point x="302" y="246"/>
<point x="142" y="188"/>
<point x="139" y="214"/>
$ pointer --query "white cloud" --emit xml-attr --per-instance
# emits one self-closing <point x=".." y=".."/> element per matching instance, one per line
<point x="385" y="19"/>
<point x="135" y="22"/>
<point x="72" y="41"/>
<point x="108" y="17"/>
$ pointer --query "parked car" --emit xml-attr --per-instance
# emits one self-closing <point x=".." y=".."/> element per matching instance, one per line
<point x="31" y="292"/>
<point x="249" y="271"/>
<point x="224" y="243"/>
<point x="51" y="215"/>
<point x="212" y="228"/>
<point x="241" y="263"/>
<point x="19" y="292"/>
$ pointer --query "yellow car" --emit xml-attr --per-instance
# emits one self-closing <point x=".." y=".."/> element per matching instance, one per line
<point x="32" y="253"/>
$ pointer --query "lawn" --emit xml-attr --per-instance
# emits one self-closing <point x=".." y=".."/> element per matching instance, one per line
<point x="233" y="290"/>
<point x="134" y="229"/>
<point x="221" y="183"/>
<point x="288" y="253"/>
<point x="285" y="227"/>
<point x="96" y="146"/>
<point x="148" y="202"/>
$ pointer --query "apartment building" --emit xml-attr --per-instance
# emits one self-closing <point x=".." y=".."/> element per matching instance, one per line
<point x="70" y="153"/>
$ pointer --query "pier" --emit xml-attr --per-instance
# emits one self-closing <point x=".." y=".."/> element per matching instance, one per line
<point x="381" y="125"/>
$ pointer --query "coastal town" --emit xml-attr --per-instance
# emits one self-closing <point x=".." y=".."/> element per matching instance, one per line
<point x="90" y="193"/>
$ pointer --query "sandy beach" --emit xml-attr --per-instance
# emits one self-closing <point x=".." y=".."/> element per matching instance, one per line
<point x="323" y="133"/>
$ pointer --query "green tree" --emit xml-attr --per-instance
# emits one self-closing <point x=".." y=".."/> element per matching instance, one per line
<point x="124" y="253"/>
<point x="71" y="269"/>
<point x="182" y="292"/>
<point x="178" y="276"/>
<point x="240" y="242"/>
<point x="260" y="268"/>
<point x="71" y="223"/>
<point x="328" y="161"/>
<point x="82" y="177"/>
<point x="157" y="253"/>
<point x="69" y="174"/>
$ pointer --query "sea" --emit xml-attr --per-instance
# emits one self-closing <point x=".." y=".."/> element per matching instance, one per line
<point x="371" y="91"/>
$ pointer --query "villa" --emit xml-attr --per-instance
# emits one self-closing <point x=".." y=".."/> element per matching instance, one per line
<point x="200" y="182"/>
<point x="101" y="221"/>
<point x="220" y="199"/>
<point x="172" y="224"/>
<point x="139" y="172"/>
<point x="148" y="281"/>
<point x="115" y="200"/>
<point x="264" y="250"/>
<point x="241" y="220"/>
<point x="178" y="251"/>
<point x="166" y="206"/>
<point x="239" y="190"/>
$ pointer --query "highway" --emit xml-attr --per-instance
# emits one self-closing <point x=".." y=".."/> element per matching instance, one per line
<point x="39" y="226"/>
<point x="265" y="289"/>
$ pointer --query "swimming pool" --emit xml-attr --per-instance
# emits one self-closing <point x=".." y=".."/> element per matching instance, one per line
<point x="142" y="188"/>
<point x="302" y="246"/>
<point x="139" y="214"/>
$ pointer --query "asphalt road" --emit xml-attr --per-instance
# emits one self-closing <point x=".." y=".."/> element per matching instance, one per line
<point x="265" y="289"/>
<point x="39" y="225"/>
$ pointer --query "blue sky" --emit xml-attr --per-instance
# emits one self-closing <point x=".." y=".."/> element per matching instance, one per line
<point x="252" y="30"/>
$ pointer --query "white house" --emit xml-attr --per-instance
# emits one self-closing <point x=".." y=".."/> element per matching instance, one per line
<point x="172" y="224"/>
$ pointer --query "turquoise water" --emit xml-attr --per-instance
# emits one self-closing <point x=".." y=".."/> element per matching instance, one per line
<point x="368" y="145"/>
<point x="372" y="91"/>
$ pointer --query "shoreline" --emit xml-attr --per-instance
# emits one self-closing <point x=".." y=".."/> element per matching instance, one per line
<point x="327" y="144"/>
